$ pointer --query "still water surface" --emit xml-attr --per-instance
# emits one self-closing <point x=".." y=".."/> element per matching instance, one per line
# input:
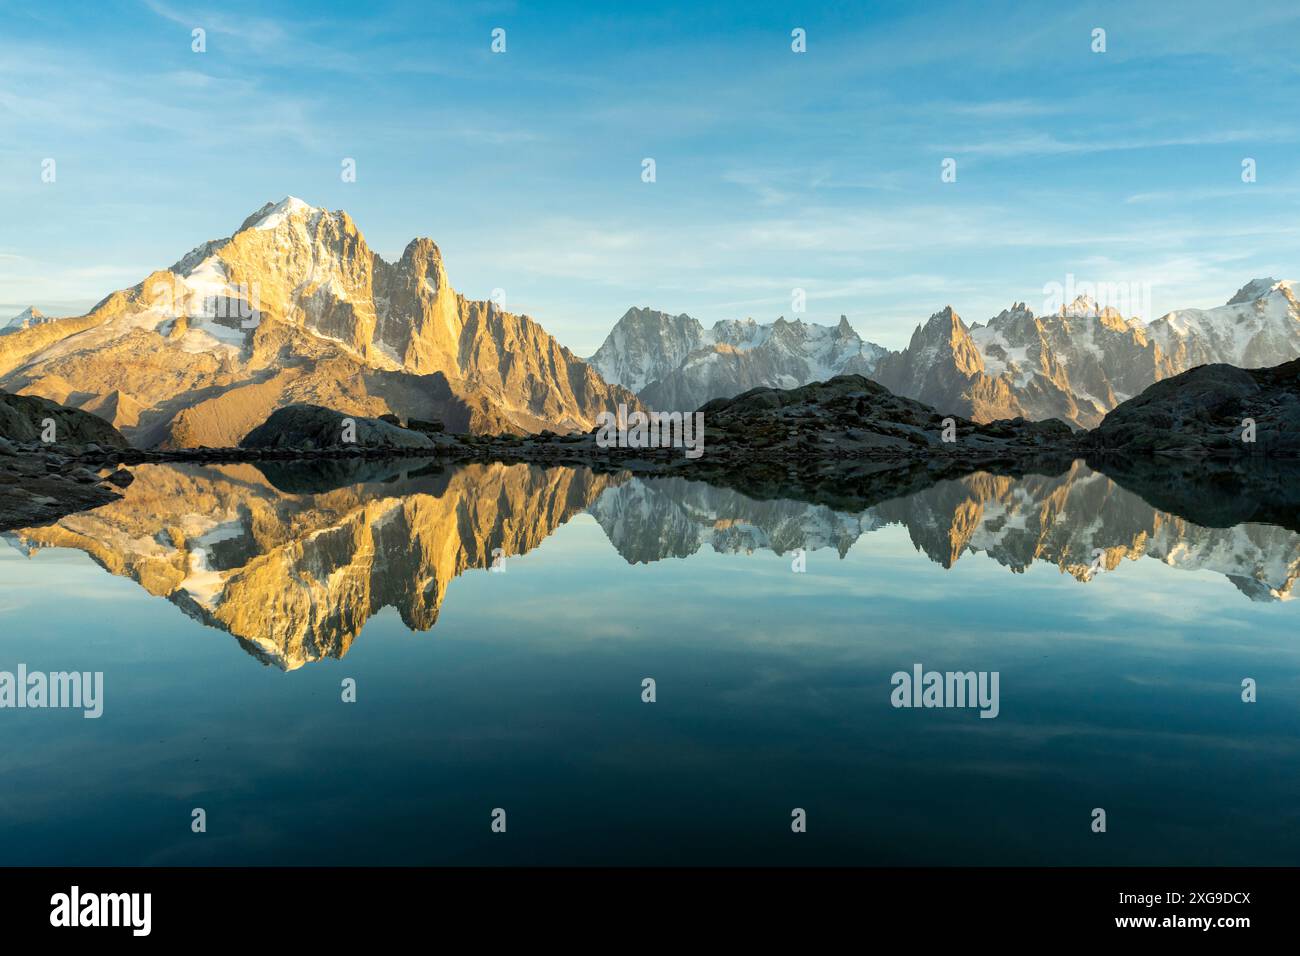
<point x="226" y="606"/>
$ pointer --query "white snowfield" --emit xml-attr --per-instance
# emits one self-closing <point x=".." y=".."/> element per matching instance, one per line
<point x="1261" y="319"/>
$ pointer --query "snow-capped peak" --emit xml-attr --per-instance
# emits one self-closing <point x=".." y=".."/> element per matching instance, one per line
<point x="1255" y="289"/>
<point x="1259" y="327"/>
<point x="1083" y="305"/>
<point x="26" y="319"/>
<point x="273" y="214"/>
<point x="27" y="314"/>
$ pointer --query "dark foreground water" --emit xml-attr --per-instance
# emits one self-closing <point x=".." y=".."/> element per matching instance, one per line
<point x="226" y="608"/>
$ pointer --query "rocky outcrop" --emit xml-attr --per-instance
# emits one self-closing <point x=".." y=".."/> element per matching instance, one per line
<point x="851" y="416"/>
<point x="1217" y="411"/>
<point x="310" y="427"/>
<point x="41" y="481"/>
<point x="28" y="418"/>
<point x="293" y="308"/>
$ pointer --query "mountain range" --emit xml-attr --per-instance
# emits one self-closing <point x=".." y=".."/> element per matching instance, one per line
<point x="295" y="307"/>
<point x="1075" y="364"/>
<point x="674" y="364"/>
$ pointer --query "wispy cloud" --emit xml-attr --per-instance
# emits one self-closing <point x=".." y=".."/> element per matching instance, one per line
<point x="1044" y="144"/>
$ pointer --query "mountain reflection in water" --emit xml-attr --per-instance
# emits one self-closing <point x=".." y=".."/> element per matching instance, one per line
<point x="294" y="559"/>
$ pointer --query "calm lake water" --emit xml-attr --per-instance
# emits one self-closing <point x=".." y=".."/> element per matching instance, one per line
<point x="227" y="606"/>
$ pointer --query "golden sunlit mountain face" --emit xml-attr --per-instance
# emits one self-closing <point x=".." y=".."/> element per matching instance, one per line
<point x="295" y="307"/>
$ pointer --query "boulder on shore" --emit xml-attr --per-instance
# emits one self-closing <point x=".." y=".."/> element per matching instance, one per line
<point x="1212" y="411"/>
<point x="420" y="425"/>
<point x="313" y="428"/>
<point x="23" y="420"/>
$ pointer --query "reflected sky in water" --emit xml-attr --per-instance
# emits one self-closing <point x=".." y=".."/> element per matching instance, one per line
<point x="235" y="608"/>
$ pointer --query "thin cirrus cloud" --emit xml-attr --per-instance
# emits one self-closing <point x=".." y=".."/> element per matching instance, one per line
<point x="1045" y="144"/>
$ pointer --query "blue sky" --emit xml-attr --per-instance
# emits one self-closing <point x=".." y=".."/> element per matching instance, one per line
<point x="775" y="170"/>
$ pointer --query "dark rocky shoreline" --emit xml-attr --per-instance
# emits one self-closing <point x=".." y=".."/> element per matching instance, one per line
<point x="43" y="486"/>
<point x="844" y="439"/>
<point x="40" y="484"/>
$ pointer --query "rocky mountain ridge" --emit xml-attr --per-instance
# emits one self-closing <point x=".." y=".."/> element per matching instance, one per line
<point x="674" y="364"/>
<point x="1075" y="364"/>
<point x="295" y="307"/>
